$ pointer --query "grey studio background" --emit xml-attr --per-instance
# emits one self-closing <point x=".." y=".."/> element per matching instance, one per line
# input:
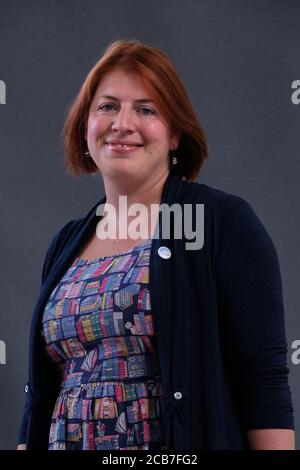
<point x="238" y="59"/>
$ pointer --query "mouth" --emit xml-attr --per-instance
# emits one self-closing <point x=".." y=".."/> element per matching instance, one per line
<point x="123" y="147"/>
<point x="112" y="144"/>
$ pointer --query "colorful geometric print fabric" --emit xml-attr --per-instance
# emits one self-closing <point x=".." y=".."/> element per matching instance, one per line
<point x="98" y="328"/>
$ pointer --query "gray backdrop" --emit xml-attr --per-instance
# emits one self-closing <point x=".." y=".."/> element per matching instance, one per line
<point x="238" y="60"/>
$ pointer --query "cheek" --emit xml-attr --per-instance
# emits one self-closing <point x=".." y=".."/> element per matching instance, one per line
<point x="156" y="132"/>
<point x="96" y="127"/>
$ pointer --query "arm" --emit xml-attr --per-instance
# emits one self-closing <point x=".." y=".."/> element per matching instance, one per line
<point x="253" y="330"/>
<point x="57" y="244"/>
<point x="25" y="419"/>
<point x="272" y="439"/>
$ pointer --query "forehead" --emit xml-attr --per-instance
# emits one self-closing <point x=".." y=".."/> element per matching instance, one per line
<point x="123" y="84"/>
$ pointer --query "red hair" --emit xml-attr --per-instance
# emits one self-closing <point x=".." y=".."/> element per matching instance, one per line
<point x="160" y="79"/>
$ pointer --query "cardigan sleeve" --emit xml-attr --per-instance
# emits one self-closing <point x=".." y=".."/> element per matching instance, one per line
<point x="56" y="245"/>
<point x="252" y="324"/>
<point x="22" y="437"/>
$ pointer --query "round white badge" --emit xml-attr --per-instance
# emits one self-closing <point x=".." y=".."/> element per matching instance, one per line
<point x="164" y="252"/>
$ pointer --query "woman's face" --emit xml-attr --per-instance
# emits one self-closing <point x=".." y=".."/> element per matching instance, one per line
<point x="121" y="111"/>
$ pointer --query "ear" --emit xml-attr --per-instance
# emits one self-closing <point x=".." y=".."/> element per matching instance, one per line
<point x="175" y="140"/>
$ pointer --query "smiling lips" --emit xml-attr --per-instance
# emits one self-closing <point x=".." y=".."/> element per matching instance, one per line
<point x="119" y="146"/>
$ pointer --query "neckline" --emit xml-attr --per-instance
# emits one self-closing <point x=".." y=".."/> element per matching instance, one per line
<point x="79" y="260"/>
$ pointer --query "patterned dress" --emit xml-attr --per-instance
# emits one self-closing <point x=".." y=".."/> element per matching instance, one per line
<point x="98" y="328"/>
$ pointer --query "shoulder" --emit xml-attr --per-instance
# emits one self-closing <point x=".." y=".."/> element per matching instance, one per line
<point x="57" y="244"/>
<point x="229" y="218"/>
<point x="71" y="229"/>
<point x="65" y="236"/>
<point x="217" y="203"/>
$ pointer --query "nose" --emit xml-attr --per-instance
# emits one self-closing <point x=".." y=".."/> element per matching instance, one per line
<point x="123" y="120"/>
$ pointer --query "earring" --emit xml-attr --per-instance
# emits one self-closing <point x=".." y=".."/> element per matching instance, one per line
<point x="87" y="154"/>
<point x="174" y="157"/>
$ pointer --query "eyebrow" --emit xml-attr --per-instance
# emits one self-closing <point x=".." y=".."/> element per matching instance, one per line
<point x="141" y="100"/>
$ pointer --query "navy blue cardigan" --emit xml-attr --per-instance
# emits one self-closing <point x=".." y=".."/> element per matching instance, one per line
<point x="218" y="316"/>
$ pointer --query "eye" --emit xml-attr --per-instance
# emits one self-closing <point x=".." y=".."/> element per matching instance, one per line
<point x="108" y="107"/>
<point x="147" y="109"/>
<point x="105" y="105"/>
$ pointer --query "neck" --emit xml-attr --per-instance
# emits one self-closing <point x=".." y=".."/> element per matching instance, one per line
<point x="145" y="192"/>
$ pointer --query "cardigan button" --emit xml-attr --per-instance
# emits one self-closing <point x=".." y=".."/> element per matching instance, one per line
<point x="177" y="395"/>
<point x="164" y="252"/>
<point x="26" y="389"/>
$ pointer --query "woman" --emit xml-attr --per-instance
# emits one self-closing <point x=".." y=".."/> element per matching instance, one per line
<point x="143" y="341"/>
